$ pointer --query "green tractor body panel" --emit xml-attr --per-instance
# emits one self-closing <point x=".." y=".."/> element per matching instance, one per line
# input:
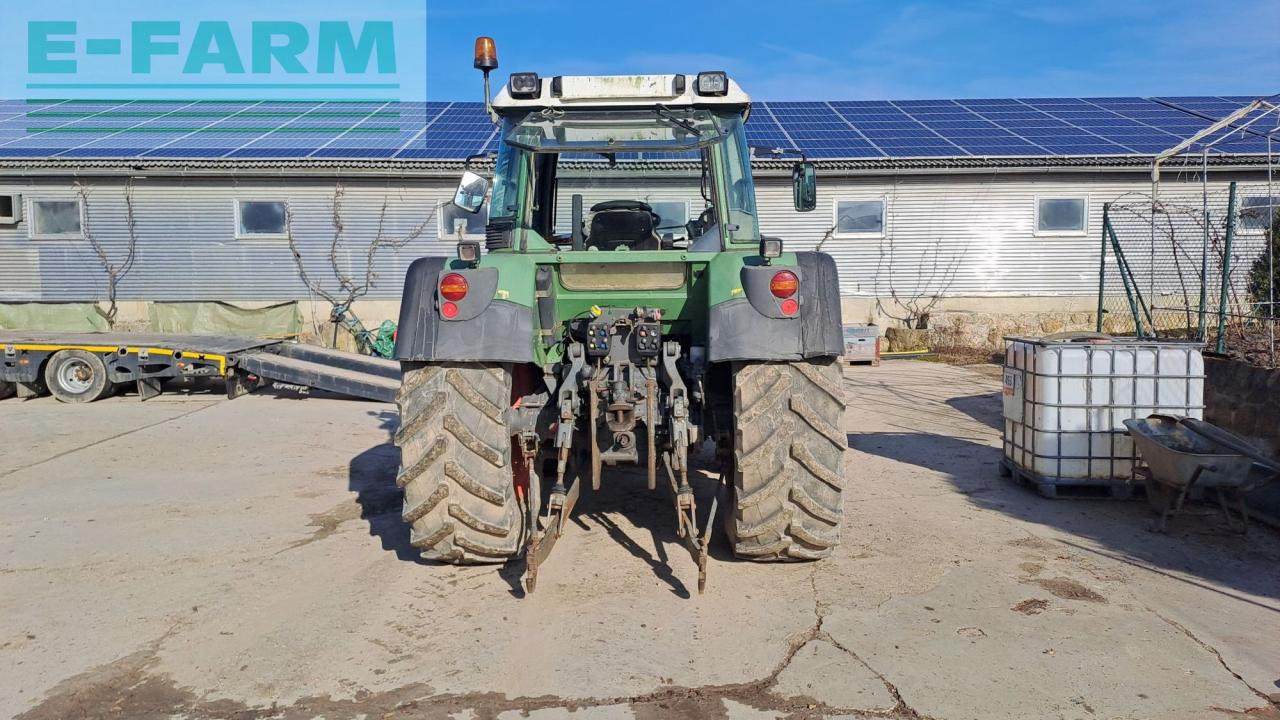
<point x="688" y="289"/>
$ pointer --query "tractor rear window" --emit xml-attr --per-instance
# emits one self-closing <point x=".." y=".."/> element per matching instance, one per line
<point x="584" y="178"/>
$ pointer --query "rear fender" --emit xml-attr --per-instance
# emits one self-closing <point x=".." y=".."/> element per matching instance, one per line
<point x="485" y="328"/>
<point x="754" y="327"/>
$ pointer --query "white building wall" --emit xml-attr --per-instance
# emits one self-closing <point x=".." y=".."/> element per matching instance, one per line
<point x="187" y="246"/>
<point x="963" y="235"/>
<point x="952" y="235"/>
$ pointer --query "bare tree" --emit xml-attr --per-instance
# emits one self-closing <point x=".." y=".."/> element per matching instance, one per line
<point x="931" y="277"/>
<point x="115" y="270"/>
<point x="826" y="236"/>
<point x="349" y="286"/>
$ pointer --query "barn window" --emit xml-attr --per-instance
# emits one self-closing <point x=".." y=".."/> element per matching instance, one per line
<point x="262" y="219"/>
<point x="1253" y="212"/>
<point x="455" y="220"/>
<point x="10" y="209"/>
<point x="672" y="214"/>
<point x="859" y="218"/>
<point x="1062" y="216"/>
<point x="56" y="220"/>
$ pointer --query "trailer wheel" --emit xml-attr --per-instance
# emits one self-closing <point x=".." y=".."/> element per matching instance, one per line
<point x="77" y="376"/>
<point x="455" y="462"/>
<point x="788" y="459"/>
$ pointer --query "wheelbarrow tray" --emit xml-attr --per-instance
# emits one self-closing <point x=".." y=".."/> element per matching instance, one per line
<point x="1182" y="452"/>
<point x="1177" y="456"/>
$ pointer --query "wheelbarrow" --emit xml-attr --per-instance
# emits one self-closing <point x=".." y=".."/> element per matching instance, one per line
<point x="1185" y="453"/>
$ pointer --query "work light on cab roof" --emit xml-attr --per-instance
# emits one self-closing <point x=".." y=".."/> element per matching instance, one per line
<point x="526" y="89"/>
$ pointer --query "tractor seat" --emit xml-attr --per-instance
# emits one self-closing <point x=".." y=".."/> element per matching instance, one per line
<point x="623" y="222"/>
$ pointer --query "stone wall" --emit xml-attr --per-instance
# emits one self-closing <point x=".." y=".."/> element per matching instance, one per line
<point x="981" y="323"/>
<point x="1245" y="399"/>
<point x="986" y="330"/>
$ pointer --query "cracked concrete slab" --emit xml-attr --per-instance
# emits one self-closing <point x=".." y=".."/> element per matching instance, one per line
<point x="207" y="559"/>
<point x="1122" y="661"/>
<point x="820" y="671"/>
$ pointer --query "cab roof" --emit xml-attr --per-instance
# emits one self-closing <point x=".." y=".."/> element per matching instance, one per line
<point x="612" y="91"/>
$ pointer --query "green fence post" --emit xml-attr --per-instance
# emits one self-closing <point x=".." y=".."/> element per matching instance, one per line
<point x="1137" y="305"/>
<point x="1226" y="269"/>
<point x="1102" y="263"/>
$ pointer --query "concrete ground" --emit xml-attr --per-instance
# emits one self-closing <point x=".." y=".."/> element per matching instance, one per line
<point x="194" y="557"/>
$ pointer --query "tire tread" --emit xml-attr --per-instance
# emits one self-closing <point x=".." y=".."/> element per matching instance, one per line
<point x="455" y="463"/>
<point x="788" y="459"/>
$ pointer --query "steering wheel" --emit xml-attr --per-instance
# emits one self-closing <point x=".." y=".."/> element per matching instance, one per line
<point x="621" y="205"/>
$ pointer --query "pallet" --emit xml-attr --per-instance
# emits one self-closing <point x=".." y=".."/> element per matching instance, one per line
<point x="1071" y="488"/>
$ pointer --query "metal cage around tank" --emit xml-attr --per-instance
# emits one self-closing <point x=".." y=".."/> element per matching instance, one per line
<point x="1065" y="403"/>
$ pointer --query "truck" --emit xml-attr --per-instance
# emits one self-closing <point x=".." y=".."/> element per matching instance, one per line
<point x="599" y="328"/>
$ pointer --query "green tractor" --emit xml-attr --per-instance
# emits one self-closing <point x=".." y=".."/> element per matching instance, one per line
<point x="620" y="316"/>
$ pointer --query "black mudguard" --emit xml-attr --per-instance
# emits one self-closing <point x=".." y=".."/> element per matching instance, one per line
<point x="821" y="325"/>
<point x="502" y="331"/>
<point x="738" y="330"/>
<point x="28" y="372"/>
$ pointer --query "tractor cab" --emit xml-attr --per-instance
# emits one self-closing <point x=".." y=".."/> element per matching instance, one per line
<point x="575" y="166"/>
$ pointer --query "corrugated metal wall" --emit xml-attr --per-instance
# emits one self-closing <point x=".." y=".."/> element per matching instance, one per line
<point x="187" y="247"/>
<point x="951" y="235"/>
<point x="961" y="235"/>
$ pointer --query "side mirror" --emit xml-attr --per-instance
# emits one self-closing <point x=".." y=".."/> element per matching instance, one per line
<point x="804" y="186"/>
<point x="469" y="196"/>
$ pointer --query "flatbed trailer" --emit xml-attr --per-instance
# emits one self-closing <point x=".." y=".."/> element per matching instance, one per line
<point x="82" y="367"/>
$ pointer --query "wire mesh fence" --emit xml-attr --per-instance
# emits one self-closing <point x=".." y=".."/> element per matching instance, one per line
<point x="1194" y="266"/>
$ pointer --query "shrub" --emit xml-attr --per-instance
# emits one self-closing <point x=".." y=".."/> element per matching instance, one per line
<point x="1262" y="277"/>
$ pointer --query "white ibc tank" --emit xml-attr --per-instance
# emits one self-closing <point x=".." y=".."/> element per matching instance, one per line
<point x="1065" y="400"/>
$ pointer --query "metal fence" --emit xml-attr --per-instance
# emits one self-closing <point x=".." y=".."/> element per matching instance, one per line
<point x="1193" y="267"/>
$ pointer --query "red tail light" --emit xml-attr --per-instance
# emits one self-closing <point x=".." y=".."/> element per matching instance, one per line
<point x="453" y="287"/>
<point x="784" y="284"/>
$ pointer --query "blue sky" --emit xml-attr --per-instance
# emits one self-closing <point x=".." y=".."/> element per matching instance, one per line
<point x="825" y="49"/>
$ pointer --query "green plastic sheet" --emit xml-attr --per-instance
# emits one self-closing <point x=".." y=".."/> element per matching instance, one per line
<point x="53" y="317"/>
<point x="220" y="318"/>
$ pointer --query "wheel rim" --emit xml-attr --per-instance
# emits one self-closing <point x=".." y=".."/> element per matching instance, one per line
<point x="75" y="376"/>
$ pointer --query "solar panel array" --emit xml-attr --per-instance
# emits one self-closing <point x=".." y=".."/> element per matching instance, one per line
<point x="437" y="130"/>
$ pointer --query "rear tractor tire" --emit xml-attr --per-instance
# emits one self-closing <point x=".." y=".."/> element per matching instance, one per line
<point x="788" y="459"/>
<point x="77" y="376"/>
<point x="455" y="462"/>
